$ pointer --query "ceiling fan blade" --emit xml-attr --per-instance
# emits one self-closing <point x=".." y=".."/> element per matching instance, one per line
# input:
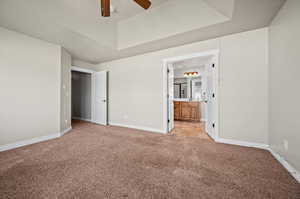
<point x="105" y="8"/>
<point x="144" y="3"/>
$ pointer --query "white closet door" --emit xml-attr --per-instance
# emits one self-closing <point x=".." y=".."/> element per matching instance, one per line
<point x="100" y="95"/>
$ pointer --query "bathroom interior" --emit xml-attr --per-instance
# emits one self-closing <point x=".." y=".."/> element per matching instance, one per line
<point x="190" y="97"/>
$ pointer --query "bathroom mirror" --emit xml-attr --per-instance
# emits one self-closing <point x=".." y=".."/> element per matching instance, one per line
<point x="187" y="88"/>
<point x="180" y="88"/>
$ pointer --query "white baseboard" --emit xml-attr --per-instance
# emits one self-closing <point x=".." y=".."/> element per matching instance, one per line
<point x="65" y="131"/>
<point x="242" y="143"/>
<point x="280" y="159"/>
<point x="33" y="140"/>
<point x="28" y="142"/>
<point x="286" y="165"/>
<point x="138" y="127"/>
<point x="82" y="119"/>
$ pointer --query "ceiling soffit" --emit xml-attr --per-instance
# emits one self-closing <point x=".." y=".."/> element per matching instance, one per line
<point x="78" y="26"/>
<point x="169" y="19"/>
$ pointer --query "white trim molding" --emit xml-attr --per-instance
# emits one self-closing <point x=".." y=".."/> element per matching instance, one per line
<point x="279" y="158"/>
<point x="215" y="53"/>
<point x="28" y="142"/>
<point x="78" y="69"/>
<point x="92" y="72"/>
<point x="65" y="131"/>
<point x="286" y="165"/>
<point x="138" y="127"/>
<point x="33" y="140"/>
<point x="242" y="143"/>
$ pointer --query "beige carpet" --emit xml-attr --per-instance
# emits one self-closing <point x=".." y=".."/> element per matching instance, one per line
<point x="112" y="162"/>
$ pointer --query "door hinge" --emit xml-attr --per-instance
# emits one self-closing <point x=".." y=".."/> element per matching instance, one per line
<point x="168" y="121"/>
<point x="168" y="71"/>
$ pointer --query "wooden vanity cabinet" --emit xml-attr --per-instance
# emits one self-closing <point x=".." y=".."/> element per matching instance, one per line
<point x="177" y="111"/>
<point x="187" y="111"/>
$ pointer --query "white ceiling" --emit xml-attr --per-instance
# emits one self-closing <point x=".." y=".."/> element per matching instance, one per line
<point x="128" y="8"/>
<point x="170" y="19"/>
<point x="78" y="26"/>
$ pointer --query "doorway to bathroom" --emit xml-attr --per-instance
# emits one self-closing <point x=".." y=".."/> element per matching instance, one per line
<point x="192" y="95"/>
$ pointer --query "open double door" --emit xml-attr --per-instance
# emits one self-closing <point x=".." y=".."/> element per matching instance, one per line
<point x="211" y="103"/>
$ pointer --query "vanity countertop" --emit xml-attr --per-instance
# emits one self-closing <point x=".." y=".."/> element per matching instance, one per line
<point x="186" y="100"/>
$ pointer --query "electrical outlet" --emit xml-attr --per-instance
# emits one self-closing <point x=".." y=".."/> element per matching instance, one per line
<point x="286" y="145"/>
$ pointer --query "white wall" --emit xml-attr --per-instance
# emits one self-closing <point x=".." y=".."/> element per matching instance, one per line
<point x="30" y="87"/>
<point x="244" y="86"/>
<point x="136" y="86"/>
<point x="284" y="82"/>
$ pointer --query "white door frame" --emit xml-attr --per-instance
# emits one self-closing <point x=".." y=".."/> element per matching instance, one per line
<point x="214" y="53"/>
<point x="83" y="70"/>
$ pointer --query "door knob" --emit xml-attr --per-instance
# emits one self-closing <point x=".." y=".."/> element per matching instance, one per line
<point x="103" y="100"/>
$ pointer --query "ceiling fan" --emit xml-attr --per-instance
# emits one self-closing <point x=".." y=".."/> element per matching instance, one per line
<point x="105" y="6"/>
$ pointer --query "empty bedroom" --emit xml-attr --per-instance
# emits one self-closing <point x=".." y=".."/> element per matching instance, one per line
<point x="149" y="99"/>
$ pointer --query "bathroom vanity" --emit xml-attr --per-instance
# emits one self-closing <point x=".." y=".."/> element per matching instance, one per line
<point x="187" y="99"/>
<point x="187" y="110"/>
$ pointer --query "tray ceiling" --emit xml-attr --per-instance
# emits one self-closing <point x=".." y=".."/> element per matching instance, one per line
<point x="77" y="25"/>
